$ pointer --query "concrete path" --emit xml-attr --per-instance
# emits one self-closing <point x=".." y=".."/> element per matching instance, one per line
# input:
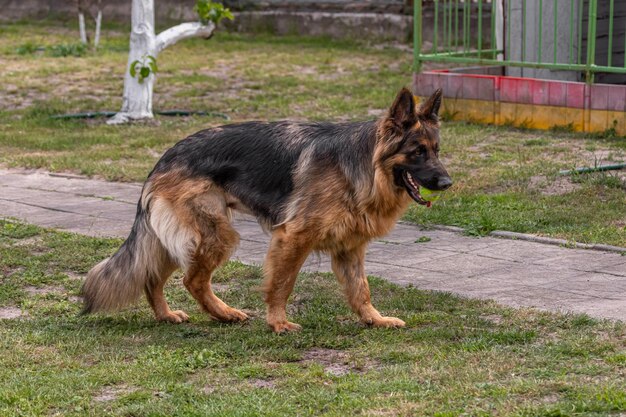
<point x="515" y="273"/>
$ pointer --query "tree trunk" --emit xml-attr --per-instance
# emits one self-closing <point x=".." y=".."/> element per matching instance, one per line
<point x="96" y="39"/>
<point x="81" y="27"/>
<point x="137" y="99"/>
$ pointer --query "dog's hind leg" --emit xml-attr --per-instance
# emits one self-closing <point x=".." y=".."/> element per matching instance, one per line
<point x="349" y="269"/>
<point x="191" y="219"/>
<point x="156" y="298"/>
<point x="218" y="240"/>
<point x="284" y="259"/>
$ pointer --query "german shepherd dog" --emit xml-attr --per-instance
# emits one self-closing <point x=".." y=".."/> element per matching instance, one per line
<point x="314" y="186"/>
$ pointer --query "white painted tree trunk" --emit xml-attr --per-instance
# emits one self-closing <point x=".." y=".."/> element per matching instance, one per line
<point x="84" y="7"/>
<point x="81" y="27"/>
<point x="137" y="98"/>
<point x="96" y="39"/>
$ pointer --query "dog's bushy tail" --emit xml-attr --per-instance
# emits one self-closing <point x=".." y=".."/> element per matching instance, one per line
<point x="120" y="280"/>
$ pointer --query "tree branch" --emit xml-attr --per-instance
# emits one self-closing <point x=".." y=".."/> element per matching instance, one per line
<point x="183" y="31"/>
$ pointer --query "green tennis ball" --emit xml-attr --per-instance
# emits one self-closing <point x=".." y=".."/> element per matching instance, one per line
<point x="430" y="195"/>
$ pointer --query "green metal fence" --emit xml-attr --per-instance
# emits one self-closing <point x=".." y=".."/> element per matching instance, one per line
<point x="461" y="35"/>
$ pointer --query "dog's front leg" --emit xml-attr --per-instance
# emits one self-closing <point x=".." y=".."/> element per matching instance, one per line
<point x="287" y="253"/>
<point x="349" y="269"/>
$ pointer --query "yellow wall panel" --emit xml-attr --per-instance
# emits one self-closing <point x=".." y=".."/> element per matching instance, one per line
<point x="598" y="121"/>
<point x="620" y="118"/>
<point x="507" y="113"/>
<point x="533" y="116"/>
<point x="524" y="116"/>
<point x="576" y="117"/>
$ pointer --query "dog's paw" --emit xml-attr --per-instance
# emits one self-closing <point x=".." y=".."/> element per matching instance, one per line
<point x="284" y="327"/>
<point x="388" y="322"/>
<point x="176" y="317"/>
<point x="233" y="315"/>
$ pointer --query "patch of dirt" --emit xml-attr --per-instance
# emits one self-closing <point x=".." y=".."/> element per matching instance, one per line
<point x="375" y="112"/>
<point x="560" y="186"/>
<point x="6" y="272"/>
<point x="296" y="305"/>
<point x="113" y="393"/>
<point x="39" y="250"/>
<point x="220" y="287"/>
<point x="33" y="240"/>
<point x="395" y="45"/>
<point x="601" y="156"/>
<point x="594" y="157"/>
<point x="305" y="69"/>
<point x="550" y="399"/>
<point x="479" y="149"/>
<point x="235" y="83"/>
<point x="208" y="389"/>
<point x="74" y="276"/>
<point x="330" y="76"/>
<point x="161" y="394"/>
<point x="262" y="383"/>
<point x="18" y="102"/>
<point x="493" y="318"/>
<point x="620" y="223"/>
<point x="23" y="92"/>
<point x="9" y="313"/>
<point x="153" y="153"/>
<point x="335" y="362"/>
<point x="31" y="290"/>
<point x="381" y="413"/>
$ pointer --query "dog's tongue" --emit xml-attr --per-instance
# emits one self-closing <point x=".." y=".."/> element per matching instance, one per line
<point x="429" y="203"/>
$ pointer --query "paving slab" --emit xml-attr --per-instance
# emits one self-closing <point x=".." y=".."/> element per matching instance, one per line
<point x="518" y="251"/>
<point x="513" y="272"/>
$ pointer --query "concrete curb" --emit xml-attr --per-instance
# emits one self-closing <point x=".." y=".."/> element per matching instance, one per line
<point x="558" y="242"/>
<point x="533" y="238"/>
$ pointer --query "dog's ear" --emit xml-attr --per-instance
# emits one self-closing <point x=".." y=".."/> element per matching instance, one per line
<point x="430" y="108"/>
<point x="402" y="111"/>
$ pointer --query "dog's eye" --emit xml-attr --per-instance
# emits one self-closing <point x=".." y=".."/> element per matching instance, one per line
<point x="421" y="150"/>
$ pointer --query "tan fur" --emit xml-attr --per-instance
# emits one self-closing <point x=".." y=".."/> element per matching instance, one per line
<point x="288" y="251"/>
<point x="326" y="216"/>
<point x="118" y="281"/>
<point x="189" y="226"/>
<point x="192" y="220"/>
<point x="348" y="267"/>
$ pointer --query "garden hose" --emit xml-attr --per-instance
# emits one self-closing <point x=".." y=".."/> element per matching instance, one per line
<point x="91" y="115"/>
<point x="586" y="170"/>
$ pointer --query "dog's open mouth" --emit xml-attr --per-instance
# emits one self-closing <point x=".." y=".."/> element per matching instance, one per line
<point x="413" y="188"/>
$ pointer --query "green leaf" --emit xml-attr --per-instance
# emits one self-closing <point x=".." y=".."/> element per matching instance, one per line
<point x="152" y="64"/>
<point x="214" y="12"/>
<point x="144" y="72"/>
<point x="133" y="69"/>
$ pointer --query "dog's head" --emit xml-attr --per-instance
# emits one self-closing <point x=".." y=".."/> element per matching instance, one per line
<point x="410" y="148"/>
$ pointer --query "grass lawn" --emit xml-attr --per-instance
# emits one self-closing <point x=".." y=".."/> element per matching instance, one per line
<point x="505" y="178"/>
<point x="455" y="357"/>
